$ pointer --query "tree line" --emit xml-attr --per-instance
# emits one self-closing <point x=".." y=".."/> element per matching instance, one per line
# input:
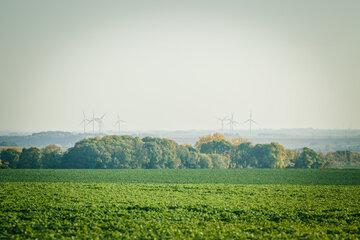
<point x="212" y="151"/>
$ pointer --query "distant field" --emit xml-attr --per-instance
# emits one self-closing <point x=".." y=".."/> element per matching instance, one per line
<point x="180" y="204"/>
<point x="8" y="147"/>
<point x="231" y="176"/>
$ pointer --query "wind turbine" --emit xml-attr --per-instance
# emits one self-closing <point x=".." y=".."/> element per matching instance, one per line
<point x="84" y="122"/>
<point x="250" y="121"/>
<point x="119" y="122"/>
<point x="232" y="122"/>
<point x="222" y="120"/>
<point x="100" y="122"/>
<point x="92" y="120"/>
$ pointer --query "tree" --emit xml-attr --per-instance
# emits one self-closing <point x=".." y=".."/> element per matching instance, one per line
<point x="205" y="161"/>
<point x="308" y="158"/>
<point x="290" y="157"/>
<point x="30" y="158"/>
<point x="241" y="156"/>
<point x="279" y="152"/>
<point x="128" y="152"/>
<point x="84" y="154"/>
<point x="235" y="141"/>
<point x="209" y="138"/>
<point x="10" y="157"/>
<point x="188" y="156"/>
<point x="161" y="153"/>
<point x="122" y="152"/>
<point x="216" y="146"/>
<point x="269" y="155"/>
<point x="219" y="161"/>
<point x="51" y="156"/>
<point x="342" y="158"/>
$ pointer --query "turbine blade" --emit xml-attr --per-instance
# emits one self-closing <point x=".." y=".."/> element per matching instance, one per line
<point x="254" y="122"/>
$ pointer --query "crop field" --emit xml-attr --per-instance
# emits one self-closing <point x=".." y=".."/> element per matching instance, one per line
<point x="187" y="176"/>
<point x="181" y="204"/>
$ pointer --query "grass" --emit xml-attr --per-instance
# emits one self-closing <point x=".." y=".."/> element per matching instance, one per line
<point x="179" y="204"/>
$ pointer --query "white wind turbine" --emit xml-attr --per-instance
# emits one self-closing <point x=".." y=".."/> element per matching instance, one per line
<point x="84" y="122"/>
<point x="232" y="122"/>
<point x="250" y="121"/>
<point x="222" y="120"/>
<point x="118" y="123"/>
<point x="92" y="120"/>
<point x="100" y="122"/>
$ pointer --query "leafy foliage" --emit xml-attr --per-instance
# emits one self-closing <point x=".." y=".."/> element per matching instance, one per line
<point x="10" y="157"/>
<point x="51" y="156"/>
<point x="212" y="151"/>
<point x="30" y="158"/>
<point x="308" y="158"/>
<point x="216" y="146"/>
<point x="88" y="210"/>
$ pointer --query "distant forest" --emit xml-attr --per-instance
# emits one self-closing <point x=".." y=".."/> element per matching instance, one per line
<point x="42" y="139"/>
<point x="211" y="151"/>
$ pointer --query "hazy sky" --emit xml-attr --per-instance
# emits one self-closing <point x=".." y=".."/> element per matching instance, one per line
<point x="179" y="64"/>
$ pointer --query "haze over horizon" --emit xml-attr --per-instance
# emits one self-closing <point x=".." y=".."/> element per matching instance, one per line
<point x="170" y="65"/>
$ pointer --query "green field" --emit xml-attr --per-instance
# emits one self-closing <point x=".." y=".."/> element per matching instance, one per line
<point x="180" y="204"/>
<point x="188" y="176"/>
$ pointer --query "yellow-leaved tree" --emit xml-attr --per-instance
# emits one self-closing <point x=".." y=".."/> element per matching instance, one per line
<point x="209" y="138"/>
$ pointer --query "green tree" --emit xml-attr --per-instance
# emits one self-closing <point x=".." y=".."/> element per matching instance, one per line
<point x="30" y="158"/>
<point x="10" y="157"/>
<point x="241" y="156"/>
<point x="345" y="158"/>
<point x="188" y="156"/>
<point x="51" y="156"/>
<point x="219" y="161"/>
<point x="308" y="158"/>
<point x="205" y="161"/>
<point x="271" y="155"/>
<point x="290" y="157"/>
<point x="128" y="152"/>
<point x="209" y="138"/>
<point x="161" y="153"/>
<point x="85" y="154"/>
<point x="216" y="146"/>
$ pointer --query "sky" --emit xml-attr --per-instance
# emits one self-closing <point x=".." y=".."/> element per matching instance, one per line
<point x="177" y="65"/>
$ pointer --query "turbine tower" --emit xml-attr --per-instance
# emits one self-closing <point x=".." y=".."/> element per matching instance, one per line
<point x="119" y="122"/>
<point x="232" y="122"/>
<point x="100" y="122"/>
<point x="84" y="122"/>
<point x="92" y="120"/>
<point x="250" y="121"/>
<point x="222" y="120"/>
